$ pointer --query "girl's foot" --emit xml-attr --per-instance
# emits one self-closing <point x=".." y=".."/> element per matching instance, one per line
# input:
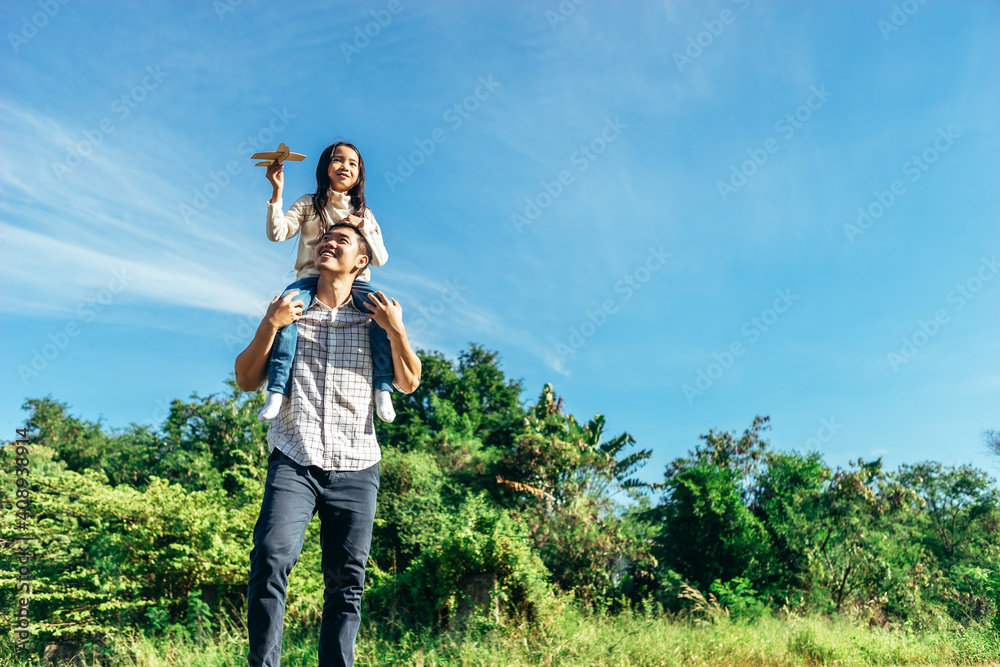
<point x="383" y="405"/>
<point x="272" y="406"/>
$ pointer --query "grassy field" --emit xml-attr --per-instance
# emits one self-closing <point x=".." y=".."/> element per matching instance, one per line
<point x="575" y="638"/>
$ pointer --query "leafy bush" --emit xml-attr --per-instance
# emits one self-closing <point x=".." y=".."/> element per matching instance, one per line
<point x="739" y="597"/>
<point x="915" y="546"/>
<point x="108" y="558"/>
<point x="484" y="545"/>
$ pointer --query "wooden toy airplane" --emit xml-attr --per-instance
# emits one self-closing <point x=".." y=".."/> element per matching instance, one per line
<point x="276" y="157"/>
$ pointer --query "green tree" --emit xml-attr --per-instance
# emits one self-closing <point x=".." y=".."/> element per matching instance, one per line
<point x="486" y="551"/>
<point x="126" y="456"/>
<point x="564" y="479"/>
<point x="956" y="520"/>
<point x="215" y="442"/>
<point x="705" y="529"/>
<point x="475" y="388"/>
<point x="207" y="443"/>
<point x="788" y="499"/>
<point x="707" y="533"/>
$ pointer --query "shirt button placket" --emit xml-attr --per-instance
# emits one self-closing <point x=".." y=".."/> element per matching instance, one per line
<point x="327" y="385"/>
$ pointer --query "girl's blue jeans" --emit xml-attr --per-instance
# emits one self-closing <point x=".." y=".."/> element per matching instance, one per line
<point x="279" y="367"/>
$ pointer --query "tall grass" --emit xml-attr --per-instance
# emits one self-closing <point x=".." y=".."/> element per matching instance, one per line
<point x="573" y="637"/>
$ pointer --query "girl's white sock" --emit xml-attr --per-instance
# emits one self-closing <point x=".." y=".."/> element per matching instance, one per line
<point x="272" y="406"/>
<point x="383" y="405"/>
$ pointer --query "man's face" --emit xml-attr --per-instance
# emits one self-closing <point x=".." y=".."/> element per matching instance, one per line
<point x="339" y="251"/>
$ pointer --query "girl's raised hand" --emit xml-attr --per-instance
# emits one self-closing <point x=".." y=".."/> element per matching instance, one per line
<point x="276" y="175"/>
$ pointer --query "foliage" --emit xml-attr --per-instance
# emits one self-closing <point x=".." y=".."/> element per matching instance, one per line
<point x="209" y="443"/>
<point x="916" y="545"/>
<point x="562" y="477"/>
<point x="707" y="531"/>
<point x="513" y="515"/>
<point x="149" y="527"/>
<point x="412" y="512"/>
<point x="111" y="557"/>
<point x="486" y="549"/>
<point x="739" y="597"/>
<point x="475" y="389"/>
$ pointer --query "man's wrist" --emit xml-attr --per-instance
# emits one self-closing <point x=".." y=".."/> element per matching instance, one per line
<point x="397" y="336"/>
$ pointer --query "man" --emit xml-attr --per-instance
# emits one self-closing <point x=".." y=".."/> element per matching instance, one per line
<point x="324" y="453"/>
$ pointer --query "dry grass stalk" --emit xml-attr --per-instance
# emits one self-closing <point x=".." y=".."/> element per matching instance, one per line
<point x="708" y="608"/>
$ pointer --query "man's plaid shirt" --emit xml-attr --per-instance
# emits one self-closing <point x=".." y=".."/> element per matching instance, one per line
<point x="327" y="420"/>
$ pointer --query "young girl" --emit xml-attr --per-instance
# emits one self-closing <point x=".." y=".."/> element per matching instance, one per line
<point x="340" y="191"/>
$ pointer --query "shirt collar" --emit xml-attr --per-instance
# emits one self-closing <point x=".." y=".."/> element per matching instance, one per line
<point x="319" y="305"/>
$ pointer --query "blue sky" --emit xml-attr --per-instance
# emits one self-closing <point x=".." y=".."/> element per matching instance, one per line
<point x="681" y="214"/>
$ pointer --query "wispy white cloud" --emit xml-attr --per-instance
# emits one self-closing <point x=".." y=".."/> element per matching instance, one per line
<point x="112" y="212"/>
<point x="67" y="274"/>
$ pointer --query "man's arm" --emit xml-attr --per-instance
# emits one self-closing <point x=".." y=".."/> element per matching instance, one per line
<point x="405" y="362"/>
<point x="251" y="364"/>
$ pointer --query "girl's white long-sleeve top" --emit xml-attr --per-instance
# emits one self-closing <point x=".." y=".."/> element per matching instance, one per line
<point x="301" y="219"/>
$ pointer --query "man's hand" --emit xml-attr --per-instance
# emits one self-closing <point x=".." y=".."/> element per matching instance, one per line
<point x="284" y="310"/>
<point x="387" y="313"/>
<point x="251" y="363"/>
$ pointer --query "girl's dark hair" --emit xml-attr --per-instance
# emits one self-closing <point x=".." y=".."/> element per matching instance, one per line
<point x="322" y="196"/>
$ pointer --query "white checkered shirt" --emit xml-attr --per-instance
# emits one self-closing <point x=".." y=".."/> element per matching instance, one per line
<point x="327" y="420"/>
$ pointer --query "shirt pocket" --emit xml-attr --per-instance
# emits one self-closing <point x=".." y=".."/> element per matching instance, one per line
<point x="313" y="335"/>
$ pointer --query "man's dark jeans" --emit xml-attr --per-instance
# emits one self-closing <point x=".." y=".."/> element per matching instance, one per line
<point x="345" y="501"/>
